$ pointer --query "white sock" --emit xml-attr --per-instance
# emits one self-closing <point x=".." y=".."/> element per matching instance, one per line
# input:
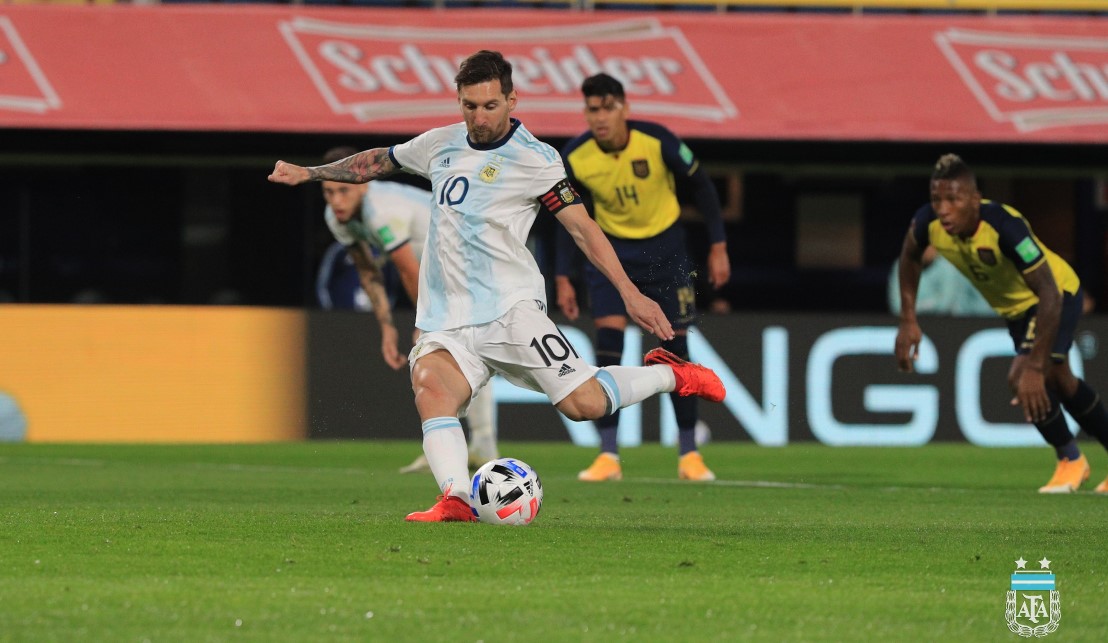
<point x="444" y="444"/>
<point x="481" y="421"/>
<point x="627" y="385"/>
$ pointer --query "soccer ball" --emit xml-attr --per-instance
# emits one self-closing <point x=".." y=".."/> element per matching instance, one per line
<point x="506" y="491"/>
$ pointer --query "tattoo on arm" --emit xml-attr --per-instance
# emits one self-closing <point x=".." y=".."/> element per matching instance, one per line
<point x="362" y="167"/>
<point x="375" y="288"/>
<point x="373" y="282"/>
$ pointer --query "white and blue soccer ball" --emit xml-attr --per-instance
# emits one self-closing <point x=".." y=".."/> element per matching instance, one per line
<point x="506" y="491"/>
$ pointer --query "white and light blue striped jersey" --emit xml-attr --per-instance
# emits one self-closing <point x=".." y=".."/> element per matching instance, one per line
<point x="392" y="214"/>
<point x="484" y="200"/>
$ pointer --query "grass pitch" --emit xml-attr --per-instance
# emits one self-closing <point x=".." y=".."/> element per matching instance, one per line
<point x="306" y="542"/>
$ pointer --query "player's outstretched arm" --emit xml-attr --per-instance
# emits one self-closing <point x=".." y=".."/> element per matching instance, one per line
<point x="373" y="283"/>
<point x="908" y="334"/>
<point x="362" y="167"/>
<point x="598" y="250"/>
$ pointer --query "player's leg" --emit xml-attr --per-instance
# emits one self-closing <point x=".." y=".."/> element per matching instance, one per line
<point x="617" y="387"/>
<point x="609" y="352"/>
<point x="527" y="348"/>
<point x="669" y="282"/>
<point x="1072" y="468"/>
<point x="610" y="319"/>
<point x="1087" y="409"/>
<point x="441" y="390"/>
<point x="1077" y="397"/>
<point x="690" y="464"/>
<point x="481" y="421"/>
<point x="419" y="465"/>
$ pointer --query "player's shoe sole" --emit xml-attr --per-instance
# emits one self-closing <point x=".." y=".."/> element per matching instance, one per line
<point x="605" y="467"/>
<point x="1102" y="487"/>
<point x="446" y="509"/>
<point x="1068" y="476"/>
<point x="697" y="380"/>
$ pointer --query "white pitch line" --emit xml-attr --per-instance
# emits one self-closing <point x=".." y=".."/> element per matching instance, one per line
<point x="738" y="483"/>
<point x="72" y="462"/>
<point x="267" y="468"/>
<point x="770" y="484"/>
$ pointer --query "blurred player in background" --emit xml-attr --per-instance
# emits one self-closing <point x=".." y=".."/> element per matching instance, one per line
<point x="388" y="221"/>
<point x="625" y="170"/>
<point x="482" y="304"/>
<point x="1036" y="292"/>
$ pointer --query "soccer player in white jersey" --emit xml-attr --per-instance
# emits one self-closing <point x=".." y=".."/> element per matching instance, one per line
<point x="482" y="304"/>
<point x="388" y="222"/>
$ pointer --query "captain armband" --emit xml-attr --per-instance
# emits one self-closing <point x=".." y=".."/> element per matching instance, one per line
<point x="558" y="197"/>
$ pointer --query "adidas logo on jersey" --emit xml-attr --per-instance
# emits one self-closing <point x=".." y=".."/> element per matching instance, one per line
<point x="566" y="369"/>
<point x="445" y="162"/>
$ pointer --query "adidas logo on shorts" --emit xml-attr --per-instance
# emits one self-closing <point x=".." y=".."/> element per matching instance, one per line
<point x="566" y="369"/>
<point x="445" y="162"/>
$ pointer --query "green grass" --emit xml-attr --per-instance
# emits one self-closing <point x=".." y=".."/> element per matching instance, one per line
<point x="306" y="542"/>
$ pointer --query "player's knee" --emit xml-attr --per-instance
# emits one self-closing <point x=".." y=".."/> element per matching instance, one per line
<point x="434" y="392"/>
<point x="586" y="402"/>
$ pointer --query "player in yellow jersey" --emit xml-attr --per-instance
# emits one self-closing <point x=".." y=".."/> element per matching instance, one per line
<point x="1033" y="289"/>
<point x="626" y="172"/>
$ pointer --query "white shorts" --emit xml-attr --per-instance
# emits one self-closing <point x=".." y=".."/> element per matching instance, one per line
<point x="523" y="345"/>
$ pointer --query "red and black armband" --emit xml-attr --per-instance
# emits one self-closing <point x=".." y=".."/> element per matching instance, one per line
<point x="558" y="197"/>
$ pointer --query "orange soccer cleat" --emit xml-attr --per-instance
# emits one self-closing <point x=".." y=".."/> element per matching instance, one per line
<point x="692" y="379"/>
<point x="446" y="509"/>
<point x="1068" y="476"/>
<point x="691" y="467"/>
<point x="604" y="467"/>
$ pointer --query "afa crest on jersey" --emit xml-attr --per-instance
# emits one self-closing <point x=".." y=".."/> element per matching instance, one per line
<point x="490" y="171"/>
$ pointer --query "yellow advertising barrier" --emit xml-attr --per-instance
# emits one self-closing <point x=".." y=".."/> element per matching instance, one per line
<point x="154" y="373"/>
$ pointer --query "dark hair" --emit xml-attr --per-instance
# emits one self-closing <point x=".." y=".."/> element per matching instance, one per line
<point x="951" y="166"/>
<point x="601" y="85"/>
<point x="485" y="66"/>
<point x="338" y="153"/>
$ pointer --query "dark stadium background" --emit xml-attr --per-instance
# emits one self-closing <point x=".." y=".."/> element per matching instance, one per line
<point x="173" y="217"/>
<point x="188" y="218"/>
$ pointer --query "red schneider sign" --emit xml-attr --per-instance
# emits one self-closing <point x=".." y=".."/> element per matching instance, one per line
<point x="732" y="76"/>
